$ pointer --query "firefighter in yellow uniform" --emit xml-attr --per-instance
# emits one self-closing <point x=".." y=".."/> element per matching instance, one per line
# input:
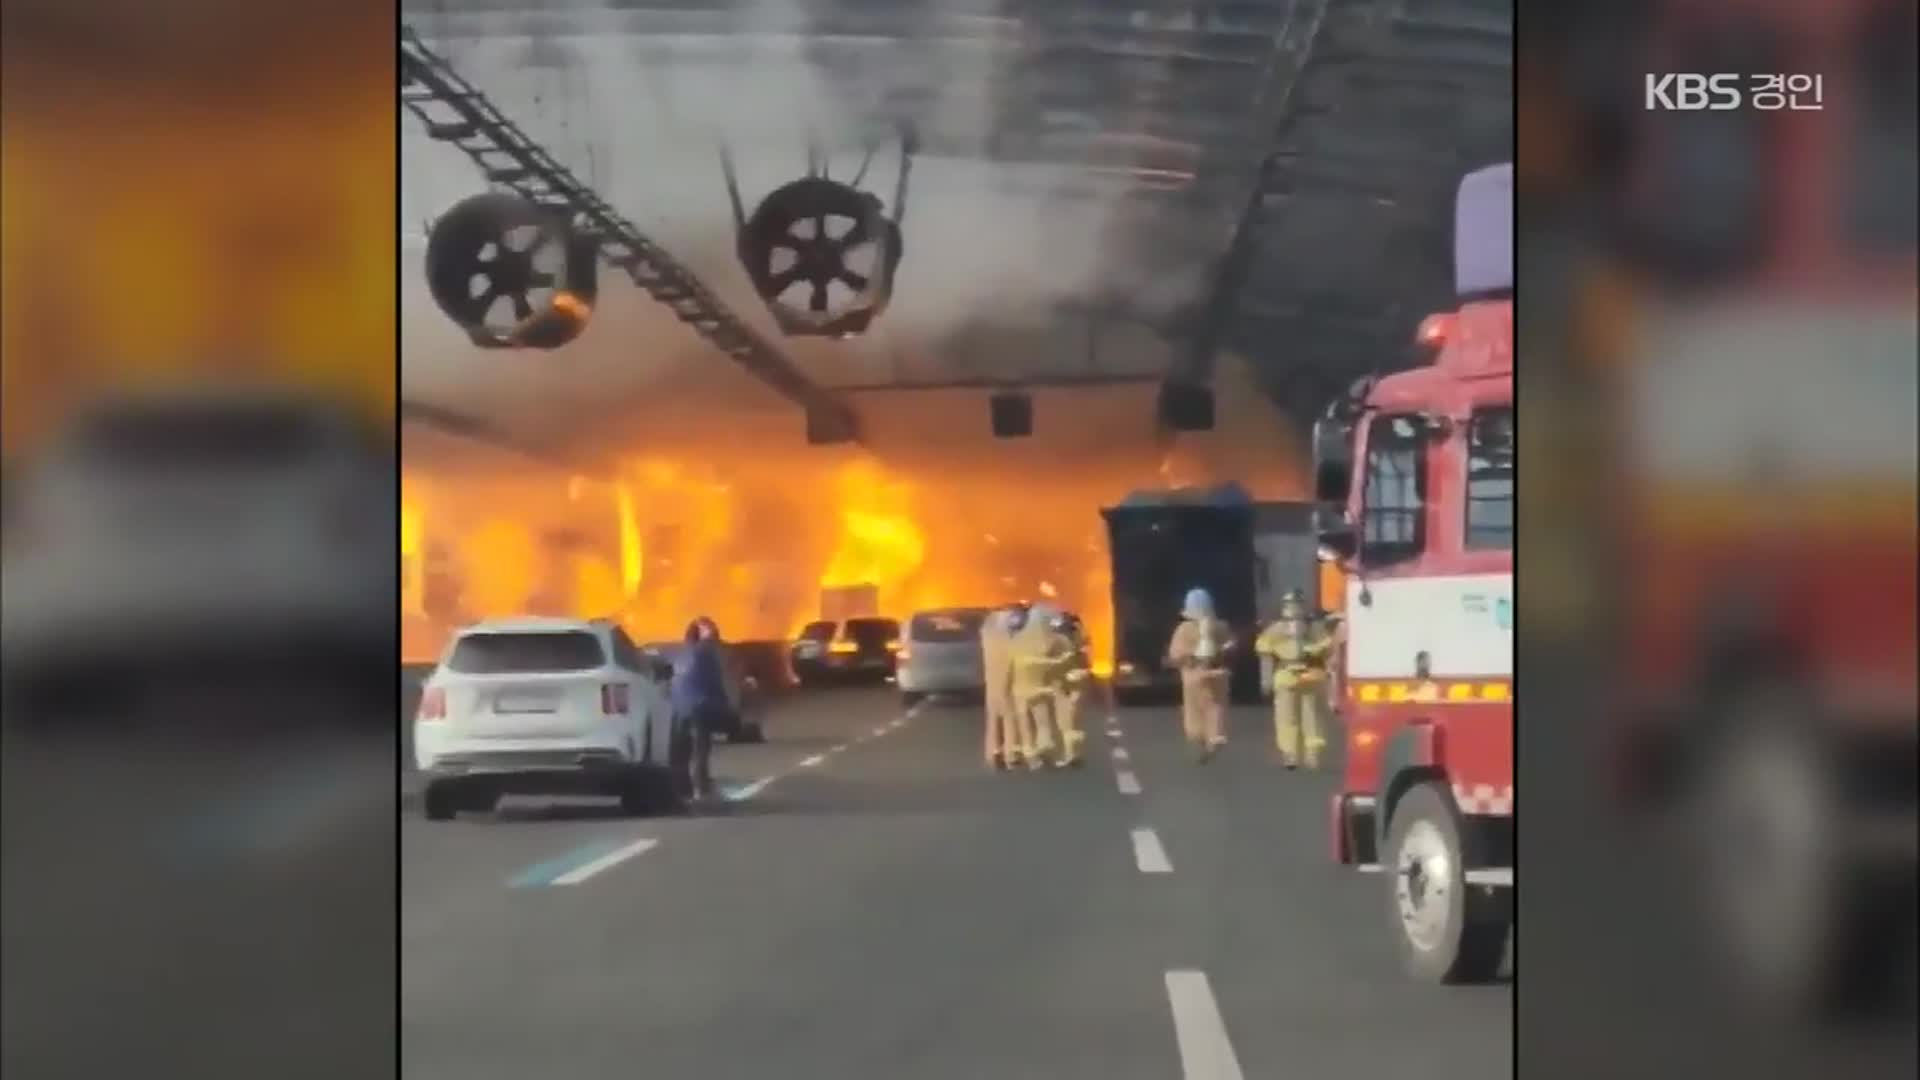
<point x="1296" y="648"/>
<point x="1041" y="659"/>
<point x="1079" y="676"/>
<point x="1200" y="651"/>
<point x="1009" y="736"/>
<point x="1045" y="659"/>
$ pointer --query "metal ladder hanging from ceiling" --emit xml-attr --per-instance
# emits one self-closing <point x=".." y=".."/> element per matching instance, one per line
<point x="453" y="111"/>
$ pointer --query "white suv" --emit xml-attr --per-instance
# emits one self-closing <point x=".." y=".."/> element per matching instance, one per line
<point x="540" y="706"/>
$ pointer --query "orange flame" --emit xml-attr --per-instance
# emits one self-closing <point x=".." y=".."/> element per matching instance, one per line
<point x="753" y="539"/>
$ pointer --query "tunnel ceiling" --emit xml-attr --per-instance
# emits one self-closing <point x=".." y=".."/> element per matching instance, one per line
<point x="1354" y="119"/>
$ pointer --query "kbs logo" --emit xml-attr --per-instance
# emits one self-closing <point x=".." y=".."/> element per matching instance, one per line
<point x="1694" y="93"/>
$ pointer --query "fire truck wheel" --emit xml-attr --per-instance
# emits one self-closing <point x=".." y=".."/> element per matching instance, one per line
<point x="1800" y="930"/>
<point x="1448" y="931"/>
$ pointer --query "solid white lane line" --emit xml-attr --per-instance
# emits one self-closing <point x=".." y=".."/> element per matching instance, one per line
<point x="810" y="762"/>
<point x="1129" y="783"/>
<point x="1148" y="854"/>
<point x="605" y="862"/>
<point x="1119" y="753"/>
<point x="1205" y="1051"/>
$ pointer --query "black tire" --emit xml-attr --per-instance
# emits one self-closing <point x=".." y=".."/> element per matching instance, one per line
<point x="1804" y="931"/>
<point x="910" y="698"/>
<point x="637" y="798"/>
<point x="665" y="792"/>
<point x="752" y="733"/>
<point x="653" y="792"/>
<point x="439" y="803"/>
<point x="650" y="793"/>
<point x="480" y="800"/>
<point x="1459" y="934"/>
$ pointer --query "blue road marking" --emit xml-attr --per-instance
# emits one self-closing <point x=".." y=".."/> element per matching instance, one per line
<point x="544" y="873"/>
<point x="273" y="815"/>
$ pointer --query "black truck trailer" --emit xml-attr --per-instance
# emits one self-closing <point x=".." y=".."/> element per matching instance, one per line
<point x="1246" y="554"/>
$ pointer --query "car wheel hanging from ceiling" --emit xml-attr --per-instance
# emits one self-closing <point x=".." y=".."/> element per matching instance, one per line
<point x="822" y="253"/>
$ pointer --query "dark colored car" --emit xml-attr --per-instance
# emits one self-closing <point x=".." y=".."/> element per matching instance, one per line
<point x="767" y="664"/>
<point x="862" y="650"/>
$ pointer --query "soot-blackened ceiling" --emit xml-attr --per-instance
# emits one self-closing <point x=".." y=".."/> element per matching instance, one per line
<point x="1354" y="117"/>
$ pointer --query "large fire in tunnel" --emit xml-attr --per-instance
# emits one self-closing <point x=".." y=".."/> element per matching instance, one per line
<point x="752" y="536"/>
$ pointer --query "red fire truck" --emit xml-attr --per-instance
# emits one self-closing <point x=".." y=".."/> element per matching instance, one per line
<point x="1768" y="695"/>
<point x="1415" y="476"/>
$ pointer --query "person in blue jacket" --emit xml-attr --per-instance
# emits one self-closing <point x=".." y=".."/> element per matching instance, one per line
<point x="699" y="694"/>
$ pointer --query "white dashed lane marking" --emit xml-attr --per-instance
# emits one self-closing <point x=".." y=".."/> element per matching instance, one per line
<point x="1148" y="854"/>
<point x="1119" y="753"/>
<point x="748" y="791"/>
<point x="1205" y="1051"/>
<point x="1129" y="783"/>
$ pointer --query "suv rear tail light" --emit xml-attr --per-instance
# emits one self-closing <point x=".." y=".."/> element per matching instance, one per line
<point x="433" y="704"/>
<point x="613" y="699"/>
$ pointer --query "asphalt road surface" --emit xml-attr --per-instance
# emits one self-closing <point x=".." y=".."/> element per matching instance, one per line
<point x="873" y="902"/>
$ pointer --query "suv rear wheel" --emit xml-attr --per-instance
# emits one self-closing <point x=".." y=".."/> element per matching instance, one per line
<point x="654" y="792"/>
<point x="438" y="802"/>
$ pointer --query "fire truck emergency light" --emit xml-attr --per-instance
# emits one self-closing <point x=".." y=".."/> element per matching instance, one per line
<point x="1434" y="330"/>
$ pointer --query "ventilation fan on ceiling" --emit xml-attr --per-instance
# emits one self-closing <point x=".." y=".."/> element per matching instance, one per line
<point x="513" y="274"/>
<point x="822" y="253"/>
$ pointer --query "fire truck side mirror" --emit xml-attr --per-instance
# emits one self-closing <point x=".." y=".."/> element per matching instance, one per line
<point x="1330" y="482"/>
<point x="1332" y="460"/>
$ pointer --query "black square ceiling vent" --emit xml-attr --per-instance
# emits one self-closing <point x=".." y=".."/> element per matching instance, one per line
<point x="1012" y="416"/>
<point x="826" y="427"/>
<point x="1186" y="407"/>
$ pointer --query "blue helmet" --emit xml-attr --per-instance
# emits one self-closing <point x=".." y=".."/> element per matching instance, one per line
<point x="1015" y="618"/>
<point x="1199" y="604"/>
